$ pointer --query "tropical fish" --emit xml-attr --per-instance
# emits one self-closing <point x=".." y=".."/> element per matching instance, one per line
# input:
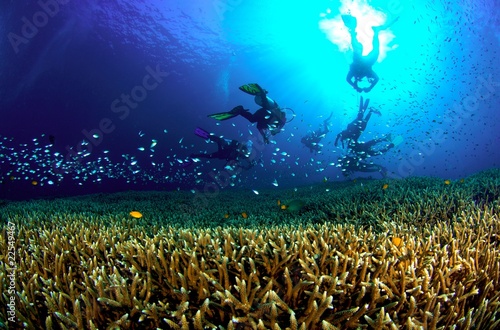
<point x="244" y="215"/>
<point x="447" y="182"/>
<point x="397" y="241"/>
<point x="385" y="186"/>
<point x="136" y="214"/>
<point x="34" y="182"/>
<point x="295" y="205"/>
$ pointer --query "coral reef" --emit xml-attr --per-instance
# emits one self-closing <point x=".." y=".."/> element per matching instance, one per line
<point x="420" y="254"/>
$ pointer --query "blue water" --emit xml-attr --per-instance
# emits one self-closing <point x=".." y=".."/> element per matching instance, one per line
<point x="66" y="67"/>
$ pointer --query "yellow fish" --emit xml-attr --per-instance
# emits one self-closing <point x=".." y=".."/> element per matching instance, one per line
<point x="34" y="182"/>
<point x="447" y="182"/>
<point x="397" y="241"/>
<point x="136" y="214"/>
<point x="226" y="215"/>
<point x="385" y="186"/>
<point x="244" y="215"/>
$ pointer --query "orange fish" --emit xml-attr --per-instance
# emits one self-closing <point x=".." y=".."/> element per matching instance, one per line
<point x="34" y="182"/>
<point x="136" y="214"/>
<point x="226" y="215"/>
<point x="397" y="241"/>
<point x="244" y="215"/>
<point x="385" y="186"/>
<point x="447" y="182"/>
<point x="284" y="207"/>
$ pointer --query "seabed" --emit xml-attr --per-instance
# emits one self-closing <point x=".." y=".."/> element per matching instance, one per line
<point x="415" y="253"/>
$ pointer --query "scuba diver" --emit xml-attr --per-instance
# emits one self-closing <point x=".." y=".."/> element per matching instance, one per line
<point x="358" y="125"/>
<point x="232" y="151"/>
<point x="350" y="164"/>
<point x="355" y="160"/>
<point x="312" y="139"/>
<point x="270" y="118"/>
<point x="361" y="66"/>
<point x="366" y="149"/>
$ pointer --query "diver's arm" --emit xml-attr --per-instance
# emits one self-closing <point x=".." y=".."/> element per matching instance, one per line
<point x="352" y="81"/>
<point x="373" y="82"/>
<point x="337" y="139"/>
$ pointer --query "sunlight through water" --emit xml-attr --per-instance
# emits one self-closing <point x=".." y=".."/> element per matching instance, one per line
<point x="367" y="17"/>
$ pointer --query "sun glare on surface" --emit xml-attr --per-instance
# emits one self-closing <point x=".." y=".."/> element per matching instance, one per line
<point x="367" y="17"/>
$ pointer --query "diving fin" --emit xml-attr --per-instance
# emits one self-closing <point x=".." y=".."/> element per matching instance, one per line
<point x="202" y="133"/>
<point x="223" y="115"/>
<point x="228" y="115"/>
<point x="398" y="140"/>
<point x="329" y="117"/>
<point x="252" y="89"/>
<point x="350" y="22"/>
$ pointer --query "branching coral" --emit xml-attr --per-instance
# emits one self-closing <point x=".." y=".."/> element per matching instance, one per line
<point x="87" y="272"/>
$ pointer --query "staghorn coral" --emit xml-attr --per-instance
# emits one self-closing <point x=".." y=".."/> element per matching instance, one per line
<point x="93" y="269"/>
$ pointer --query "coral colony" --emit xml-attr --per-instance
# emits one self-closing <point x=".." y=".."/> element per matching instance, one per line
<point x="417" y="253"/>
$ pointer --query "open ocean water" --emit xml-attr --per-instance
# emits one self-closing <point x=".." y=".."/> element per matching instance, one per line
<point x="106" y="96"/>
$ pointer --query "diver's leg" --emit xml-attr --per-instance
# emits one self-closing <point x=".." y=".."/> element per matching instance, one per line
<point x="370" y="144"/>
<point x="372" y="57"/>
<point x="365" y="167"/>
<point x="386" y="148"/>
<point x="249" y="116"/>
<point x="361" y="110"/>
<point x="365" y="105"/>
<point x="357" y="47"/>
<point x="329" y="117"/>
<point x="368" y="116"/>
<point x="200" y="155"/>
<point x="351" y="23"/>
<point x="215" y="139"/>
<point x="326" y="122"/>
<point x="364" y="122"/>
